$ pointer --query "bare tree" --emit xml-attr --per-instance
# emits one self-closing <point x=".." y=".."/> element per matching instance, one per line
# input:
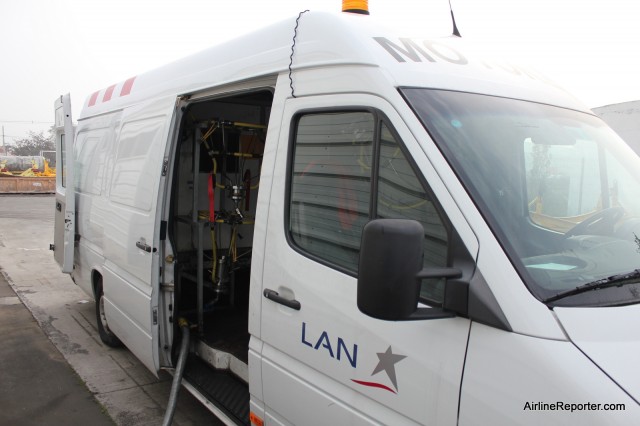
<point x="32" y="145"/>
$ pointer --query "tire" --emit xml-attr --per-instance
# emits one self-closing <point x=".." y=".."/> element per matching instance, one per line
<point x="106" y="335"/>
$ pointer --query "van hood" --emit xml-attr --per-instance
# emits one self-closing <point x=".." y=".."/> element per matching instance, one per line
<point x="610" y="337"/>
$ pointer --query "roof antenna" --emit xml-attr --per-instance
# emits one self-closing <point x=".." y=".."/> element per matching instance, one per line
<point x="453" y="19"/>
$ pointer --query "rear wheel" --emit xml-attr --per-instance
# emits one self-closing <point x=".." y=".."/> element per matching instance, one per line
<point x="106" y="335"/>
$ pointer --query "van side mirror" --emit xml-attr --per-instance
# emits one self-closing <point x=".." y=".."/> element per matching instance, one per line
<point x="390" y="270"/>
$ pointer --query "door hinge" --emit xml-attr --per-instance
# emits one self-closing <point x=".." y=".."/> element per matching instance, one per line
<point x="155" y="316"/>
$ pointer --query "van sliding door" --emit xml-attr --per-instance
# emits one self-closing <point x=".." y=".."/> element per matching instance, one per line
<point x="131" y="246"/>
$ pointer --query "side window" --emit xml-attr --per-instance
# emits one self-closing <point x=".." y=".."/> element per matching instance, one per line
<point x="334" y="169"/>
<point x="63" y="157"/>
<point x="89" y="162"/>
<point x="136" y="173"/>
<point x="401" y="195"/>
<point x="331" y="185"/>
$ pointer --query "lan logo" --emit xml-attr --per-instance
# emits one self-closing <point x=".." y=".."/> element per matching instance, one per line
<point x="386" y="362"/>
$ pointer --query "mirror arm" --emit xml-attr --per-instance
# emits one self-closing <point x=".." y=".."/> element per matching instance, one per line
<point x="430" y="314"/>
<point x="439" y="273"/>
<point x="456" y="299"/>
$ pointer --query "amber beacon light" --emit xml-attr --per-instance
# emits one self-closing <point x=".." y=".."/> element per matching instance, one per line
<point x="356" y="6"/>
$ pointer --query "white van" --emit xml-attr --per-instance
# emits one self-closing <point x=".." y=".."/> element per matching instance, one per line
<point x="360" y="228"/>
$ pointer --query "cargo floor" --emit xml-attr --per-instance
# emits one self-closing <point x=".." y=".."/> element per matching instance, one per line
<point x="227" y="330"/>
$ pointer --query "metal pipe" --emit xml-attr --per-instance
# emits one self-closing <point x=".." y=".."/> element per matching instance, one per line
<point x="177" y="376"/>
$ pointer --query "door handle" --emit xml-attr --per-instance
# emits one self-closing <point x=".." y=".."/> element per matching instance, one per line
<point x="274" y="296"/>
<point x="143" y="246"/>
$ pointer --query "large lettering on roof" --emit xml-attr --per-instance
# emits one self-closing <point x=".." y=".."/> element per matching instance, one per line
<point x="407" y="50"/>
<point x="430" y="50"/>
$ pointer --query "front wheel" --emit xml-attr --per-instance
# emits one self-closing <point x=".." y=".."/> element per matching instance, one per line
<point x="106" y="335"/>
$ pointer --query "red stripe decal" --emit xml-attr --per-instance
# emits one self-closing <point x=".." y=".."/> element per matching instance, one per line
<point x="373" y="385"/>
<point x="94" y="98"/>
<point x="108" y="93"/>
<point x="126" y="87"/>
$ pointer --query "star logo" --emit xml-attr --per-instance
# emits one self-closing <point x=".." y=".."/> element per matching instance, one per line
<point x="387" y="361"/>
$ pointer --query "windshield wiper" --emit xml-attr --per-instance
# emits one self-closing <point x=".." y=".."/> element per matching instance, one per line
<point x="612" y="281"/>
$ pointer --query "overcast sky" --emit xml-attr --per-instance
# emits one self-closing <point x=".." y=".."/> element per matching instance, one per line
<point x="50" y="47"/>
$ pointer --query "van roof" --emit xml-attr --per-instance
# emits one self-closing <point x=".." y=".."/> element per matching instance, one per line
<point x="324" y="40"/>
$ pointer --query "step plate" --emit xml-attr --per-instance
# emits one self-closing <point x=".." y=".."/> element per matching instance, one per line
<point x="224" y="390"/>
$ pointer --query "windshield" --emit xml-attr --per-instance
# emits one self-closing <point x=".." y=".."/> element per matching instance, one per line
<point x="560" y="190"/>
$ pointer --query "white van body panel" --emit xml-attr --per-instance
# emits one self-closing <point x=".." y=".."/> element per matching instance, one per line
<point x="609" y="337"/>
<point x="94" y="145"/>
<point x="353" y="40"/>
<point x="525" y="371"/>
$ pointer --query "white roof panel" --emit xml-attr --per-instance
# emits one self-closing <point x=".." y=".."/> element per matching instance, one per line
<point x="326" y="39"/>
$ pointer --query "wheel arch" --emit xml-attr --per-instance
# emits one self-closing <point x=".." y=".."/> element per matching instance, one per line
<point x="96" y="277"/>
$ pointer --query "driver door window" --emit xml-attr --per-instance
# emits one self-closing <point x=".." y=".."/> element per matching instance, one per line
<point x="401" y="195"/>
<point x="339" y="183"/>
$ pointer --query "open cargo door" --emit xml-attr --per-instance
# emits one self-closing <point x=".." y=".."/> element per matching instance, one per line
<point x="65" y="223"/>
